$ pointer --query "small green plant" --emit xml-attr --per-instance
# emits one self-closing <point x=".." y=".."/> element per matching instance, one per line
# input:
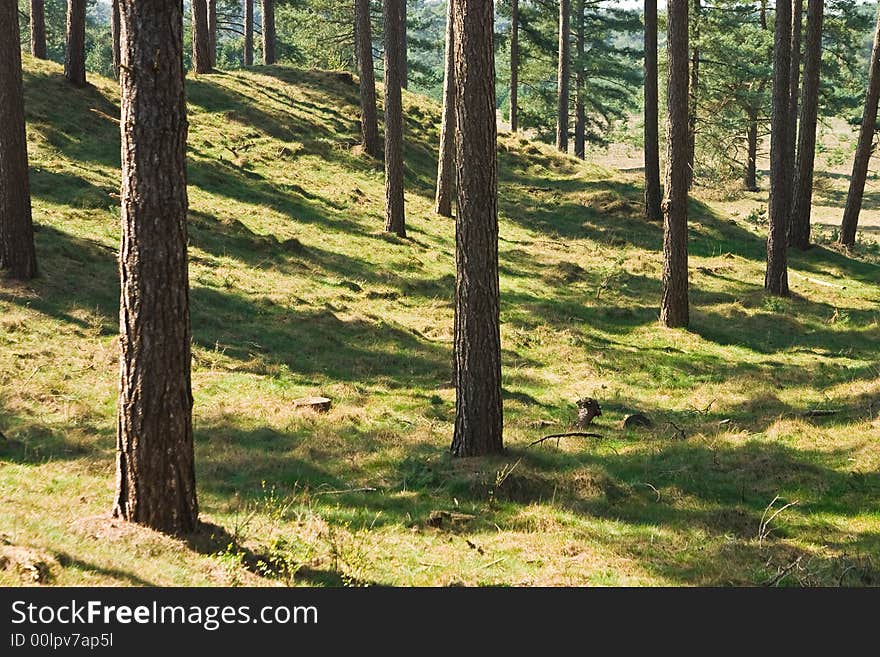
<point x="758" y="216"/>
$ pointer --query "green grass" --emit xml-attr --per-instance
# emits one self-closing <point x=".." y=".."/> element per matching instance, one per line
<point x="297" y="291"/>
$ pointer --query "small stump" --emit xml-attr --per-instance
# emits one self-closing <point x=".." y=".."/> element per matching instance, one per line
<point x="318" y="404"/>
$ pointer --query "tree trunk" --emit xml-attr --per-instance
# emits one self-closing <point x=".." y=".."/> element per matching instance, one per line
<point x="38" y="29"/>
<point x="694" y="94"/>
<point x="75" y="55"/>
<point x="395" y="221"/>
<point x="248" y="55"/>
<point x="799" y="230"/>
<point x="446" y="158"/>
<point x="200" y="40"/>
<point x="776" y="278"/>
<point x="653" y="211"/>
<point x="17" y="255"/>
<point x="155" y="476"/>
<point x="369" y="116"/>
<point x="514" y="65"/>
<point x="864" y="149"/>
<point x="580" y="119"/>
<point x="674" y="310"/>
<point x="751" y="179"/>
<point x="477" y="348"/>
<point x="212" y="32"/>
<point x="114" y="35"/>
<point x="794" y="87"/>
<point x="404" y="47"/>
<point x="268" y="9"/>
<point x="562" y="78"/>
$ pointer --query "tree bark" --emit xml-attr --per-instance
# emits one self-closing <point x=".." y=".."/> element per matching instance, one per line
<point x="155" y="476"/>
<point x="268" y="9"/>
<point x="446" y="158"/>
<point x="751" y="179"/>
<point x="799" y="230"/>
<point x="395" y="221"/>
<point x="477" y="341"/>
<point x="38" y="28"/>
<point x="653" y="211"/>
<point x="404" y="46"/>
<point x="369" y="115"/>
<point x="794" y="88"/>
<point x="17" y="254"/>
<point x="674" y="311"/>
<point x="864" y="149"/>
<point x="694" y="94"/>
<point x="580" y="119"/>
<point x="114" y="35"/>
<point x="200" y="39"/>
<point x="75" y="54"/>
<point x="562" y="78"/>
<point x="212" y="32"/>
<point x="514" y="65"/>
<point x="248" y="55"/>
<point x="776" y="278"/>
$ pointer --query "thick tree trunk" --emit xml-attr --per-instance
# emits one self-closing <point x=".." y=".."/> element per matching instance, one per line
<point x="563" y="73"/>
<point x="38" y="28"/>
<point x="864" y="149"/>
<point x="200" y="41"/>
<point x="799" y="230"/>
<point x="369" y="115"/>
<point x="115" y="35"/>
<point x="514" y="65"/>
<point x="395" y="221"/>
<point x="17" y="255"/>
<point x="653" y="211"/>
<point x="751" y="179"/>
<point x="694" y="93"/>
<point x="75" y="55"/>
<point x="478" y="409"/>
<point x="674" y="311"/>
<point x="248" y="55"/>
<point x="404" y="46"/>
<point x="268" y="10"/>
<point x="155" y="477"/>
<point x="446" y="158"/>
<point x="212" y="32"/>
<point x="776" y="278"/>
<point x="794" y="88"/>
<point x="580" y="118"/>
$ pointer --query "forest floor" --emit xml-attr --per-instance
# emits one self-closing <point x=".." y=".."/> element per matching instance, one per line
<point x="297" y="291"/>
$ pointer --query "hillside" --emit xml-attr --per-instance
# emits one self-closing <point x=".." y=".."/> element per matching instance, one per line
<point x="297" y="291"/>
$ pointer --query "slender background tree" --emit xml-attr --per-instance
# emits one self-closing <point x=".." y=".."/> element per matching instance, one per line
<point x="75" y="55"/>
<point x="563" y="75"/>
<point x="446" y="158"/>
<point x="201" y="43"/>
<point x="653" y="211"/>
<point x="38" y="28"/>
<point x="369" y="115"/>
<point x="395" y="221"/>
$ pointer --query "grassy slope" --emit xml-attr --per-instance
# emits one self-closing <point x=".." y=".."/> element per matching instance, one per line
<point x="295" y="290"/>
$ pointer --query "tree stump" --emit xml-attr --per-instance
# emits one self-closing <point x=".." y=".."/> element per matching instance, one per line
<point x="318" y="404"/>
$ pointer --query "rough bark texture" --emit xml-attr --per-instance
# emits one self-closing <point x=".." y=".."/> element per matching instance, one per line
<point x="369" y="116"/>
<point x="17" y="255"/>
<point x="38" y="28"/>
<point x="201" y="45"/>
<point x="580" y="119"/>
<point x="75" y="54"/>
<point x="212" y="32"/>
<point x="115" y="35"/>
<point x="395" y="221"/>
<point x="404" y="47"/>
<point x="563" y="73"/>
<point x="751" y="179"/>
<point x="799" y="230"/>
<point x="446" y="158"/>
<point x="478" y="409"/>
<point x="864" y="149"/>
<point x="674" y="310"/>
<point x="514" y="65"/>
<point x="155" y="477"/>
<point x="694" y="93"/>
<point x="776" y="278"/>
<point x="268" y="9"/>
<point x="248" y="55"/>
<point x="653" y="211"/>
<point x="794" y="88"/>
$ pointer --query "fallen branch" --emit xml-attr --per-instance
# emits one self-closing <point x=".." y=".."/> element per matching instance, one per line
<point x="782" y="574"/>
<point x="365" y="489"/>
<point x="817" y="412"/>
<point x="574" y="434"/>
<point x="818" y="282"/>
